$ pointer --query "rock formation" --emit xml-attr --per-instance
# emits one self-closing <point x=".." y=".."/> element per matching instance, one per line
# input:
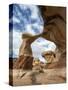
<point x="54" y="30"/>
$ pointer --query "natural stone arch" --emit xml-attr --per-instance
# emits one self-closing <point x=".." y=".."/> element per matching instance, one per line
<point x="54" y="30"/>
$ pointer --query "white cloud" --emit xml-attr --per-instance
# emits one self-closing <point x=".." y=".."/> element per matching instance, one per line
<point x="15" y="39"/>
<point x="15" y="19"/>
<point x="21" y="20"/>
<point x="40" y="46"/>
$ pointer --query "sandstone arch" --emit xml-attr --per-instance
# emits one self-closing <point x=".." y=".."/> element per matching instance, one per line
<point x="54" y="30"/>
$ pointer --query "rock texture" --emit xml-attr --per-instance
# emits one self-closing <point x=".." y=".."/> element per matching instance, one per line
<point x="27" y="73"/>
<point x="54" y="30"/>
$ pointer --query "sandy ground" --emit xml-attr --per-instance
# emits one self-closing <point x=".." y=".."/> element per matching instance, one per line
<point x="34" y="77"/>
<point x="52" y="74"/>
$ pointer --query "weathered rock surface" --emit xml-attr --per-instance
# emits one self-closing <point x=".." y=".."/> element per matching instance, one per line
<point x="49" y="76"/>
<point x="54" y="30"/>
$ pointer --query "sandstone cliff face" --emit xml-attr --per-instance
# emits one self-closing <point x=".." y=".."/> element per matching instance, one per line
<point x="54" y="30"/>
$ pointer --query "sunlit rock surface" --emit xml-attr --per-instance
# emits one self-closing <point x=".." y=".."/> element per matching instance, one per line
<point x="55" y="31"/>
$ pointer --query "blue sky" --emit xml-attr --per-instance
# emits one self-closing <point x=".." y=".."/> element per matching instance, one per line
<point x="23" y="19"/>
<point x="27" y="19"/>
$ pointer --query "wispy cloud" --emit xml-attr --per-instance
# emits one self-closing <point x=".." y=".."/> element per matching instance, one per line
<point x="15" y="43"/>
<point x="24" y="19"/>
<point x="41" y="45"/>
